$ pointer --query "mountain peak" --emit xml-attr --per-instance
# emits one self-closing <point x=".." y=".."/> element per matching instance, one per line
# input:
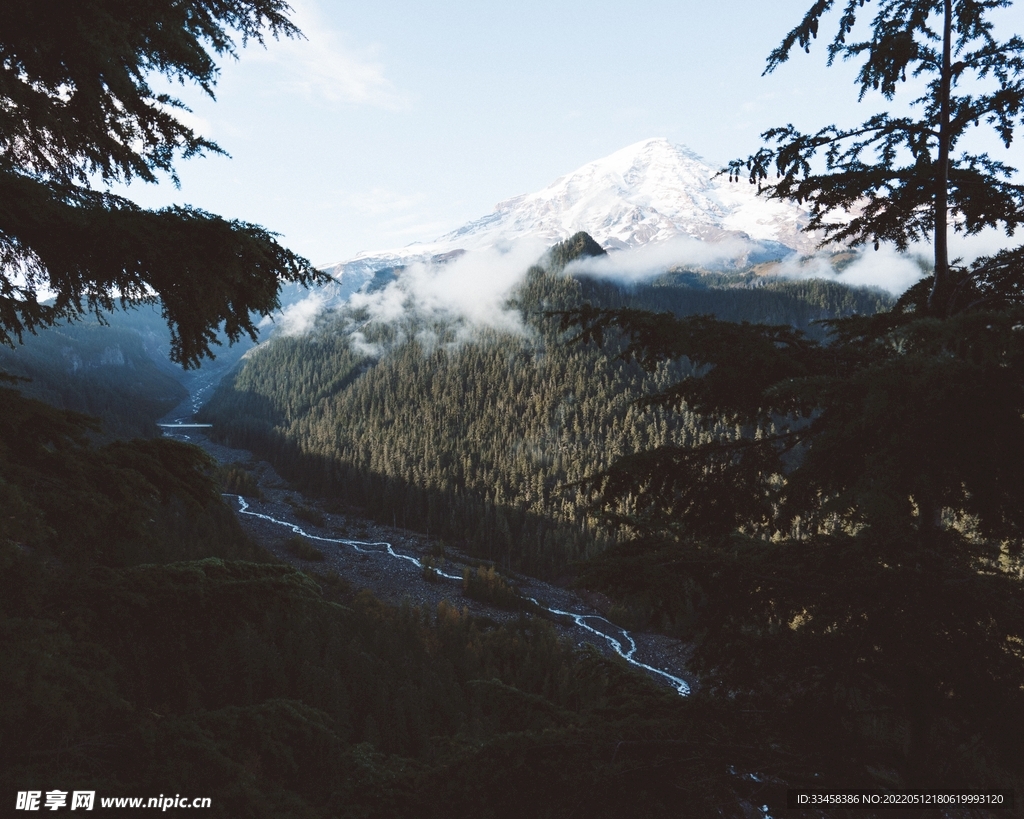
<point x="580" y="246"/>
<point x="655" y="148"/>
<point x="650" y="192"/>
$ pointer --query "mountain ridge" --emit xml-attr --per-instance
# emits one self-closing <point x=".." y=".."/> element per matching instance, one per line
<point x="651" y="192"/>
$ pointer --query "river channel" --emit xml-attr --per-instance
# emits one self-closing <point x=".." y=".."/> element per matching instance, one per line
<point x="390" y="561"/>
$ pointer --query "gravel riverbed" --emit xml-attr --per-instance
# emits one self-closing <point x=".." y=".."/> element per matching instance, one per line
<point x="366" y="564"/>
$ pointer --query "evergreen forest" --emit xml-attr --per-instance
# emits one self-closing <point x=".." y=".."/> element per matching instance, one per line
<point x="817" y="488"/>
<point x="150" y="648"/>
<point x="482" y="438"/>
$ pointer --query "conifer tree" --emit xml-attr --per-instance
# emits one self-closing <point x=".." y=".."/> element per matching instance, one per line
<point x="852" y="552"/>
<point x="77" y="110"/>
<point x="910" y="177"/>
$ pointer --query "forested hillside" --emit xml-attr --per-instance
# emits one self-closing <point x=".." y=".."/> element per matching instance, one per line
<point x="117" y="370"/>
<point x="482" y="441"/>
<point x="109" y="372"/>
<point x="149" y="648"/>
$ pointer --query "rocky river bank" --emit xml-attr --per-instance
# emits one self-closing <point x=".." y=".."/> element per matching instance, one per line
<point x="388" y="561"/>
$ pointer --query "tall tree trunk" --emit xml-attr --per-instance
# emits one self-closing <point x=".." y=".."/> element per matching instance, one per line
<point x="939" y="297"/>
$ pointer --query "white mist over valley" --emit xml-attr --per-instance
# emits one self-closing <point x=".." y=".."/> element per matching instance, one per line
<point x="654" y="206"/>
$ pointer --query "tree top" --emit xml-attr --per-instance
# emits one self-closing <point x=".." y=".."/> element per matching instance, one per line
<point x="77" y="107"/>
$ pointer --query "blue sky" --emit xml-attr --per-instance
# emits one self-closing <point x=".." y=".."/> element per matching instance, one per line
<point x="396" y="121"/>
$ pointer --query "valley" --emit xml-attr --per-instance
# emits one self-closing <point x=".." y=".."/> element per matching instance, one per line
<point x="672" y="487"/>
<point x="480" y="436"/>
<point x="494" y="387"/>
<point x="390" y="563"/>
<point x="401" y="546"/>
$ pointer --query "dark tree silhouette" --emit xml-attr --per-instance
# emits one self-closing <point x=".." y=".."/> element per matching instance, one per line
<point x="904" y="178"/>
<point x="853" y="551"/>
<point x="77" y="109"/>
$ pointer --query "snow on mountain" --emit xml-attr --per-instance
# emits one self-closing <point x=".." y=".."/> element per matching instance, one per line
<point x="646" y="194"/>
<point x="650" y="192"/>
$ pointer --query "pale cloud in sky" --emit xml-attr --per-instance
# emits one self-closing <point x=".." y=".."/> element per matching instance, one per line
<point x="411" y="227"/>
<point x="326" y="67"/>
<point x="380" y="201"/>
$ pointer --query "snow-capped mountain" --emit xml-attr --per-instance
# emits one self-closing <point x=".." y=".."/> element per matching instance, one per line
<point x="649" y="193"/>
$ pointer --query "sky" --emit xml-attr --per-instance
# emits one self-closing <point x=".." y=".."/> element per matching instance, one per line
<point x="397" y="121"/>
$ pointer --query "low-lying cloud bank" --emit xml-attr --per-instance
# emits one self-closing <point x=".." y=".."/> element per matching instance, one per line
<point x="473" y="288"/>
<point x="892" y="271"/>
<point x="640" y="264"/>
<point x="885" y="269"/>
<point x="471" y="292"/>
<point x="298" y="319"/>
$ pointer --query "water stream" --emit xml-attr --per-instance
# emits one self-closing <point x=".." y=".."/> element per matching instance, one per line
<point x="617" y="638"/>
